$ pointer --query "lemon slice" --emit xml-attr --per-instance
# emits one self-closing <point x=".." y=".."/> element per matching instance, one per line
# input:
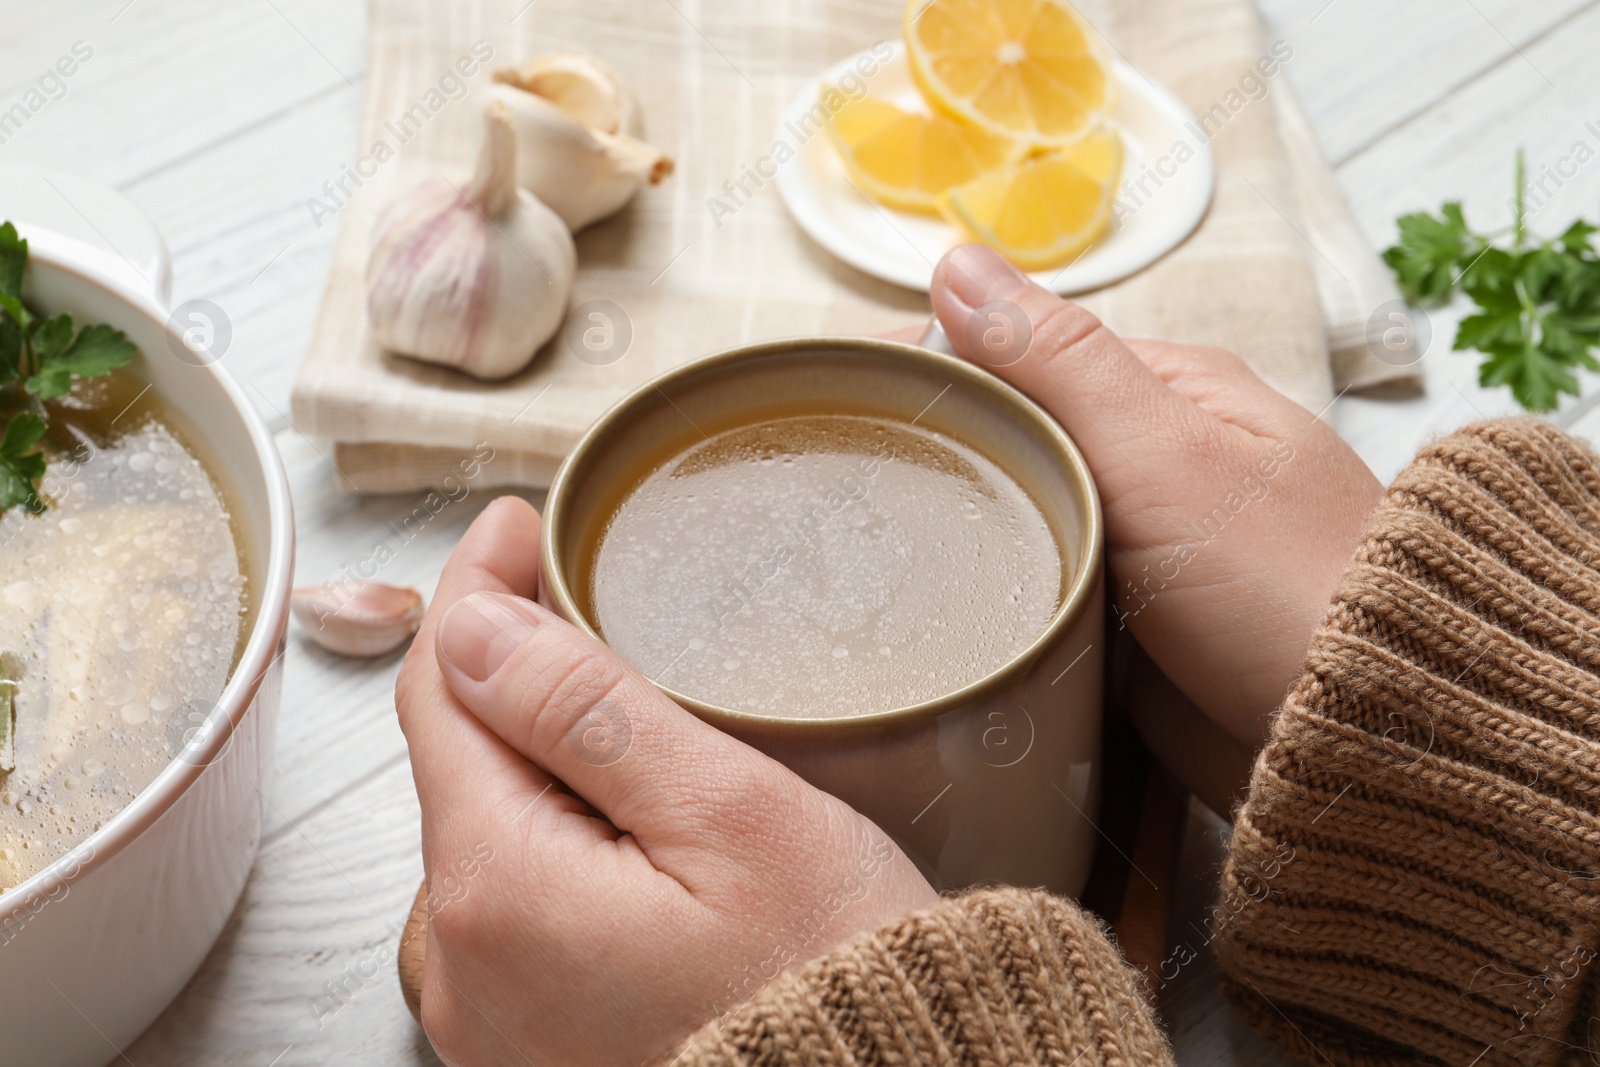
<point x="1044" y="210"/>
<point x="1025" y="68"/>
<point x="907" y="159"/>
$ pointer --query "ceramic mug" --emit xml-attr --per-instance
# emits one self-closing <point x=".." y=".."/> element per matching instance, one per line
<point x="996" y="782"/>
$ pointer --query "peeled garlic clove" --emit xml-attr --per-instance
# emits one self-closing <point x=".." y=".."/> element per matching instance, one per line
<point x="583" y="173"/>
<point x="357" y="618"/>
<point x="475" y="278"/>
<point x="582" y="86"/>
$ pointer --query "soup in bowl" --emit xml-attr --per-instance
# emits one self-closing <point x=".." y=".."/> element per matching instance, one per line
<point x="143" y="607"/>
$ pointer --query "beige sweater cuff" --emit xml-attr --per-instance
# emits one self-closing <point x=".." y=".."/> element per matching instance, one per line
<point x="999" y="976"/>
<point x="1415" y="877"/>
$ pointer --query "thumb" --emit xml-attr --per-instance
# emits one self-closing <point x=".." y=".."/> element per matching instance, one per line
<point x="1112" y="405"/>
<point x="574" y="708"/>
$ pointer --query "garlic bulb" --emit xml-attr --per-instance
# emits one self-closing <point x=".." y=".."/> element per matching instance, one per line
<point x="477" y="279"/>
<point x="570" y="117"/>
<point x="357" y="618"/>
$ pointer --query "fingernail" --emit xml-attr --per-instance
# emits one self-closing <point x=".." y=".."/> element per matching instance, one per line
<point x="480" y="631"/>
<point x="977" y="275"/>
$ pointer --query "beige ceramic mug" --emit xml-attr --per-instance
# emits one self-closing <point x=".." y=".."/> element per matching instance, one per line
<point x="997" y="782"/>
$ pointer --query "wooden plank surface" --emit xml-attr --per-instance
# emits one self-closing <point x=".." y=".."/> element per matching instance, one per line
<point x="222" y="120"/>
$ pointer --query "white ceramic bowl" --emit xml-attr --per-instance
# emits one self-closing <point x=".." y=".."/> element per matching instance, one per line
<point x="96" y="945"/>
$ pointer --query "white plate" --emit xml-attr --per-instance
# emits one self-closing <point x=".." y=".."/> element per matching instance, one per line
<point x="1162" y="142"/>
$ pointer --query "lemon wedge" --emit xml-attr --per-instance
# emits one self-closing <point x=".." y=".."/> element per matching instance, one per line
<point x="1045" y="209"/>
<point x="1022" y="68"/>
<point x="908" y="159"/>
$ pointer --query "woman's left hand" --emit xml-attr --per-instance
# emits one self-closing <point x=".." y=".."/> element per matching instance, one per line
<point x="607" y="872"/>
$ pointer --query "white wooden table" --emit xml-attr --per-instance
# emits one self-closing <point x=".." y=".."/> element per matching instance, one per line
<point x="221" y="119"/>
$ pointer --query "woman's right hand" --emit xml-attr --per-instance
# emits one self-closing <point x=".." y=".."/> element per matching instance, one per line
<point x="1230" y="510"/>
<point x="607" y="872"/>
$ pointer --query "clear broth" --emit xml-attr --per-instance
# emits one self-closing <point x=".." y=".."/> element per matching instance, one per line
<point x="822" y="565"/>
<point x="126" y="603"/>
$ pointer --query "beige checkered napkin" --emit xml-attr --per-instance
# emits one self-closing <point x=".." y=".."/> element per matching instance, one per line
<point x="1277" y="271"/>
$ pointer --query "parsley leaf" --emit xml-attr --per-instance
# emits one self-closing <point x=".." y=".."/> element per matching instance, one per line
<point x="95" y="351"/>
<point x="1424" y="262"/>
<point x="1538" y="317"/>
<point x="13" y="261"/>
<point x="10" y="350"/>
<point x="21" y="466"/>
<point x="1576" y="239"/>
<point x="43" y="356"/>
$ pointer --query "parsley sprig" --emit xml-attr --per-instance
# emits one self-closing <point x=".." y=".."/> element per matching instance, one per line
<point x="1538" y="299"/>
<point x="39" y="359"/>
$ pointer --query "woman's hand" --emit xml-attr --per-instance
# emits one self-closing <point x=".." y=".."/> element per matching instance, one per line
<point x="1230" y="510"/>
<point x="606" y="929"/>
<point x="609" y="873"/>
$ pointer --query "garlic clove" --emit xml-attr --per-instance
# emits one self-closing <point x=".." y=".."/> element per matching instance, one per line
<point x="582" y="173"/>
<point x="586" y="89"/>
<point x="357" y="618"/>
<point x="475" y="277"/>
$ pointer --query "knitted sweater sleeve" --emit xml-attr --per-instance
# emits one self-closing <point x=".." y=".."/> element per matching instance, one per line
<point x="998" y="976"/>
<point x="1415" y="875"/>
